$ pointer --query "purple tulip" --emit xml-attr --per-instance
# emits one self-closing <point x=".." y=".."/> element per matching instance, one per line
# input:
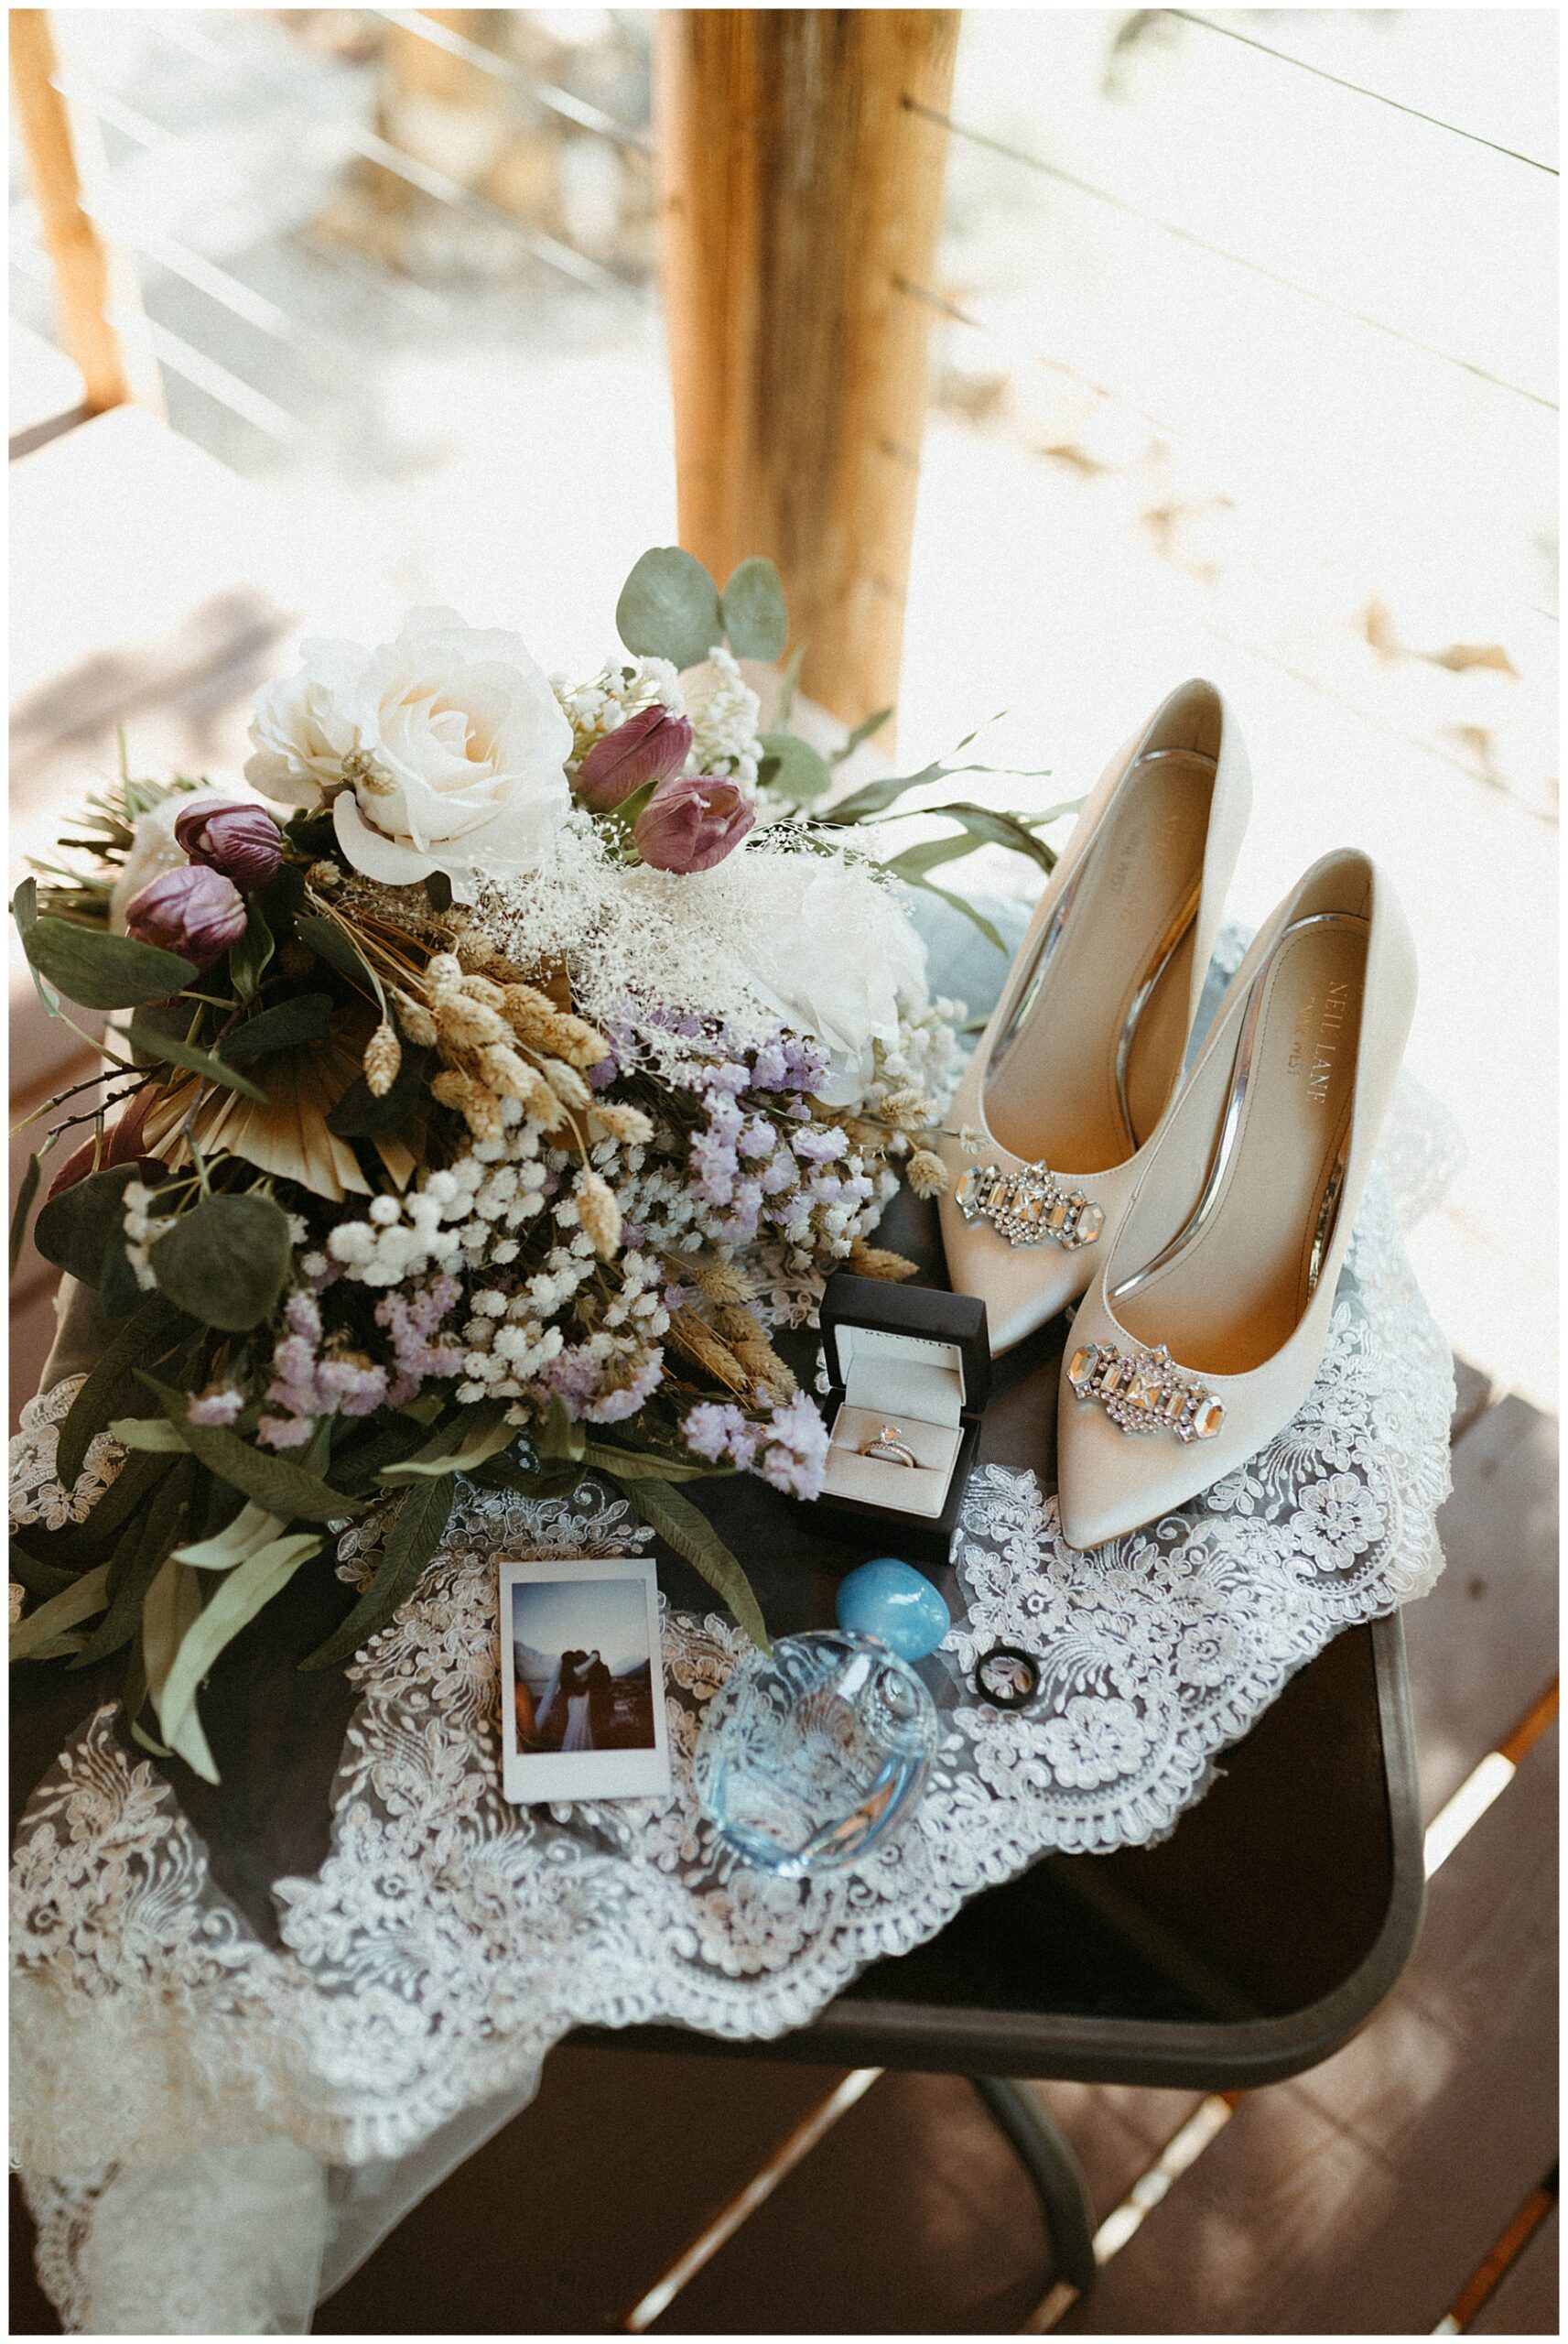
<point x="691" y="824"/>
<point x="239" y="839"/>
<point x="192" y="911"/>
<point x="650" y="747"/>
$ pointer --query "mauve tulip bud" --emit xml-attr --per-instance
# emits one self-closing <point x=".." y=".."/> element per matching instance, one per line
<point x="241" y="840"/>
<point x="691" y="824"/>
<point x="192" y="911"/>
<point x="650" y="747"/>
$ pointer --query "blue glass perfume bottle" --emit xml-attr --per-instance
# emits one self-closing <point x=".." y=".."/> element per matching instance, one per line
<point x="813" y="1754"/>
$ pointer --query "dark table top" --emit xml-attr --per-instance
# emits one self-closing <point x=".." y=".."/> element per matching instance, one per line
<point x="1247" y="1946"/>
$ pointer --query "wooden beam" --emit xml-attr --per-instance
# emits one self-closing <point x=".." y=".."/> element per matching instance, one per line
<point x="801" y="186"/>
<point x="81" y="263"/>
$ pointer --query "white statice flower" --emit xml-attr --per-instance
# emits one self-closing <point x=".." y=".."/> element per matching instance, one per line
<point x="445" y="750"/>
<point x="724" y="712"/>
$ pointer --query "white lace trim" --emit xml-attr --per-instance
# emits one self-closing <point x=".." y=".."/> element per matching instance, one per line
<point x="450" y="1939"/>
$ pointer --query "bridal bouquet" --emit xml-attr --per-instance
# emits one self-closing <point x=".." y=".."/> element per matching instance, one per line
<point x="482" y="1083"/>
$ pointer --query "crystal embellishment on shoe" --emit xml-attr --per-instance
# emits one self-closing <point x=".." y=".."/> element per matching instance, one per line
<point x="1029" y="1206"/>
<point x="1144" y="1391"/>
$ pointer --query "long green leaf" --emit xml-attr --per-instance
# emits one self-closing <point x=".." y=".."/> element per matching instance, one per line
<point x="477" y="1443"/>
<point x="283" y="1487"/>
<point x="680" y="1525"/>
<point x="637" y="1465"/>
<point x="251" y="1528"/>
<point x="410" y="1542"/>
<point x="998" y="830"/>
<point x="168" y="1048"/>
<point x="24" y="1195"/>
<point x="236" y="1601"/>
<point x="136" y="1564"/>
<point x="334" y="944"/>
<point x="303" y="1018"/>
<point x="961" y="903"/>
<point x="862" y="732"/>
<point x="141" y="1342"/>
<point x="914" y="861"/>
<point x="172" y="1604"/>
<point x="63" y="1610"/>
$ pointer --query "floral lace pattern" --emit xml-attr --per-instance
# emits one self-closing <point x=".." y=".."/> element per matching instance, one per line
<point x="450" y="1939"/>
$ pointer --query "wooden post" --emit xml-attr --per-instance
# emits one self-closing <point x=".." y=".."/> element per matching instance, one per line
<point x="800" y="183"/>
<point x="81" y="263"/>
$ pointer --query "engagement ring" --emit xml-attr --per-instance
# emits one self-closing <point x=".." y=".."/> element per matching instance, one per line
<point x="888" y="1444"/>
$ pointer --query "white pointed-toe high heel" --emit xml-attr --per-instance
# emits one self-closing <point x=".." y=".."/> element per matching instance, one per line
<point x="1204" y="1327"/>
<point x="1084" y="1048"/>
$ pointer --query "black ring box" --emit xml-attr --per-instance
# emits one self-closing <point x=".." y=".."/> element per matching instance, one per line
<point x="943" y="1335"/>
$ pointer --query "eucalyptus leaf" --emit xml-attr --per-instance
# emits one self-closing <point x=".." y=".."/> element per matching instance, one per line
<point x="276" y="1483"/>
<point x="250" y="956"/>
<point x="75" y="1229"/>
<point x="226" y="1261"/>
<point x="101" y="971"/>
<point x="234" y="1603"/>
<point x="669" y="608"/>
<point x="74" y="1603"/>
<point x="681" y="1526"/>
<point x="753" y="609"/>
<point x="412" y="1540"/>
<point x="167" y="1049"/>
<point x="794" y="766"/>
<point x="24" y="1195"/>
<point x="305" y="1017"/>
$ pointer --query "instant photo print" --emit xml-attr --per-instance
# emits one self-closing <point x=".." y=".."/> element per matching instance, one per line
<point x="581" y="1685"/>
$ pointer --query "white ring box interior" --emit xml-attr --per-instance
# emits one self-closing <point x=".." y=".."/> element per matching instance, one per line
<point x="910" y="1381"/>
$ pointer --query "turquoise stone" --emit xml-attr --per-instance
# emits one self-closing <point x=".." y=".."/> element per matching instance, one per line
<point x="892" y="1601"/>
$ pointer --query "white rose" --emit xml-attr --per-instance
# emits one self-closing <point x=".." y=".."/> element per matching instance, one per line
<point x="443" y="751"/>
<point x="834" y="955"/>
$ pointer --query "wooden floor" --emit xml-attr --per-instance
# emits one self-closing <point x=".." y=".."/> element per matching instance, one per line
<point x="1409" y="2183"/>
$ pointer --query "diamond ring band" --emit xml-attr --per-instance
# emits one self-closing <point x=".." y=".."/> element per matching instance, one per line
<point x="889" y="1446"/>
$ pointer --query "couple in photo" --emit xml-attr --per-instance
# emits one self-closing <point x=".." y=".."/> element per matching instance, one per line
<point x="575" y="1710"/>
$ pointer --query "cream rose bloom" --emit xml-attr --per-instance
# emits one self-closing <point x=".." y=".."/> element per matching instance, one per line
<point x="444" y="751"/>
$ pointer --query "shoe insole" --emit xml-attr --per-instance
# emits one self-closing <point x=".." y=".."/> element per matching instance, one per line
<point x="1053" y="1094"/>
<point x="1232" y="1294"/>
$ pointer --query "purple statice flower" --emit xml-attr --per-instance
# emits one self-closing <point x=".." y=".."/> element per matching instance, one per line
<point x="795" y="1456"/>
<point x="717" y="1430"/>
<point x="574" y="1374"/>
<point x="600" y="1077"/>
<point x="283" y="1432"/>
<point x="770" y="1068"/>
<point x="219" y="1404"/>
<point x="758" y="1139"/>
<point x="778" y="1176"/>
<point x="819" y="1143"/>
<point x="413" y="1320"/>
<point x="712" y="1159"/>
<point x="350" y="1387"/>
